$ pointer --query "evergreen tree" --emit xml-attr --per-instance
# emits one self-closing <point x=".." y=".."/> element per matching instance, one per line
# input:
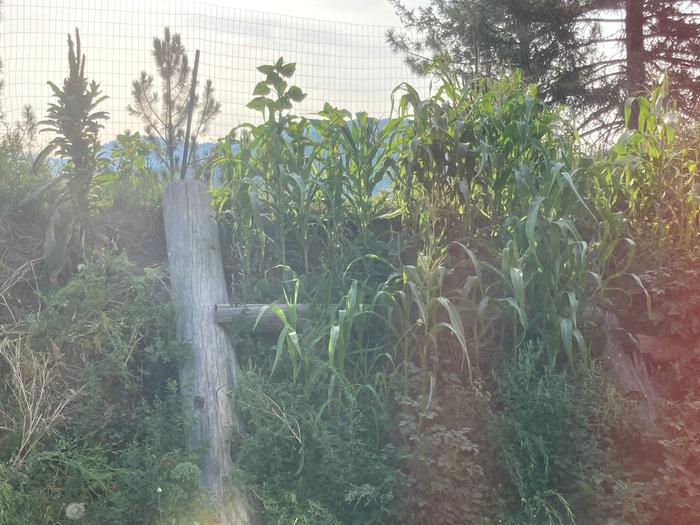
<point x="559" y="44"/>
<point x="163" y="107"/>
<point x="486" y="38"/>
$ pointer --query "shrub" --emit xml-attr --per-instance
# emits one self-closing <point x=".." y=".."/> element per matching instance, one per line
<point x="555" y="428"/>
<point x="119" y="455"/>
<point x="305" y="465"/>
<point x="446" y="464"/>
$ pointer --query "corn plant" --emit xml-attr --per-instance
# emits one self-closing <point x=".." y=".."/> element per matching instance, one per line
<point x="267" y="169"/>
<point x="357" y="159"/>
<point x="652" y="180"/>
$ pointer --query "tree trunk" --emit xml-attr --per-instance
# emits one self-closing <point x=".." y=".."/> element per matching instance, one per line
<point x="634" y="47"/>
<point x="197" y="282"/>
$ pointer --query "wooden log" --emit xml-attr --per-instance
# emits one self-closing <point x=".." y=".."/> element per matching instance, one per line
<point x="197" y="282"/>
<point x="269" y="323"/>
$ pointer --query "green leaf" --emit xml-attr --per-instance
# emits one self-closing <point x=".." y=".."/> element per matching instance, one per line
<point x="266" y="69"/>
<point x="258" y="103"/>
<point x="456" y="327"/>
<point x="287" y="70"/>
<point x="570" y="182"/>
<point x="261" y="89"/>
<point x="296" y="94"/>
<point x="567" y="333"/>
<point x="332" y="344"/>
<point x="531" y="222"/>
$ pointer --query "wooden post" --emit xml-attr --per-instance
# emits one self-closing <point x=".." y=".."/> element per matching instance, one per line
<point x="190" y="110"/>
<point x="197" y="282"/>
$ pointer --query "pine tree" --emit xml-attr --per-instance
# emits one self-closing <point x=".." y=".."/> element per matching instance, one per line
<point x="163" y="106"/>
<point x="558" y="43"/>
<point x="487" y="38"/>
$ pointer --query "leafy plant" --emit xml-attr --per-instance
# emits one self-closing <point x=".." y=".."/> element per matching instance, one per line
<point x="555" y="443"/>
<point x="650" y="177"/>
<point x="132" y="180"/>
<point x="446" y="464"/>
<point x="296" y="460"/>
<point x="74" y="119"/>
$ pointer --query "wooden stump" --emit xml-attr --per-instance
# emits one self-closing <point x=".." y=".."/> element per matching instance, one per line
<point x="197" y="281"/>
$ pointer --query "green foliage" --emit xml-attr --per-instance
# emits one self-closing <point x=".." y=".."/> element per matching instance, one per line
<point x="491" y="39"/>
<point x="76" y="123"/>
<point x="555" y="428"/>
<point x="116" y="451"/>
<point x="275" y="85"/>
<point x="650" y="177"/>
<point x="268" y="179"/>
<point x="306" y="466"/>
<point x="672" y="492"/>
<point x="301" y="193"/>
<point x="445" y="461"/>
<point x="506" y="184"/>
<point x="675" y="301"/>
<point x="131" y="182"/>
<point x="495" y="247"/>
<point x="17" y="178"/>
<point x="505" y="239"/>
<point x="118" y="325"/>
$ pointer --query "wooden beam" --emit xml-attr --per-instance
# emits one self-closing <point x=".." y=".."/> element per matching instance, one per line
<point x="206" y="379"/>
<point x="269" y="323"/>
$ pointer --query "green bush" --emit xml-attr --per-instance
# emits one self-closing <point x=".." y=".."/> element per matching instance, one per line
<point x="131" y="181"/>
<point x="445" y="454"/>
<point x="555" y="428"/>
<point x="307" y="466"/>
<point x="116" y="453"/>
<point x="17" y="179"/>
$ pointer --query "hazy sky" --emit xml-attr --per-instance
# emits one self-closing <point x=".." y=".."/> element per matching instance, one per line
<point x="356" y="12"/>
<point x="339" y="46"/>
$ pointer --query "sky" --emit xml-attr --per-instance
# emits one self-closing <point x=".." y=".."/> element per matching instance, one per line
<point x="339" y="46"/>
<point x="351" y="11"/>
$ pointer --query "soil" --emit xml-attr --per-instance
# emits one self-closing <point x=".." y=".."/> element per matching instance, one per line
<point x="138" y="233"/>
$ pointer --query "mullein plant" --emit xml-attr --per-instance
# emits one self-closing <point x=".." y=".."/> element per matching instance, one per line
<point x="75" y="120"/>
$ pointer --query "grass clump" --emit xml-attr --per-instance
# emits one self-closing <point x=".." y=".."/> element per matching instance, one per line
<point x="97" y="372"/>
<point x="555" y="429"/>
<point x="310" y="466"/>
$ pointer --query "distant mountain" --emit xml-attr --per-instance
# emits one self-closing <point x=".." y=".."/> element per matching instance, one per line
<point x="203" y="151"/>
<point x="153" y="160"/>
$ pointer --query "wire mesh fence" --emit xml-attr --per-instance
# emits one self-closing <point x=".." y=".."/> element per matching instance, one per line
<point x="349" y="65"/>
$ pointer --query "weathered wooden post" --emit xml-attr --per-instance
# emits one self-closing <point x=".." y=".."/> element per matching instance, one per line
<point x="198" y="284"/>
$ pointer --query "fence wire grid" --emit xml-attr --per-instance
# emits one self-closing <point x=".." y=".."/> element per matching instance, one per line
<point x="349" y="65"/>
